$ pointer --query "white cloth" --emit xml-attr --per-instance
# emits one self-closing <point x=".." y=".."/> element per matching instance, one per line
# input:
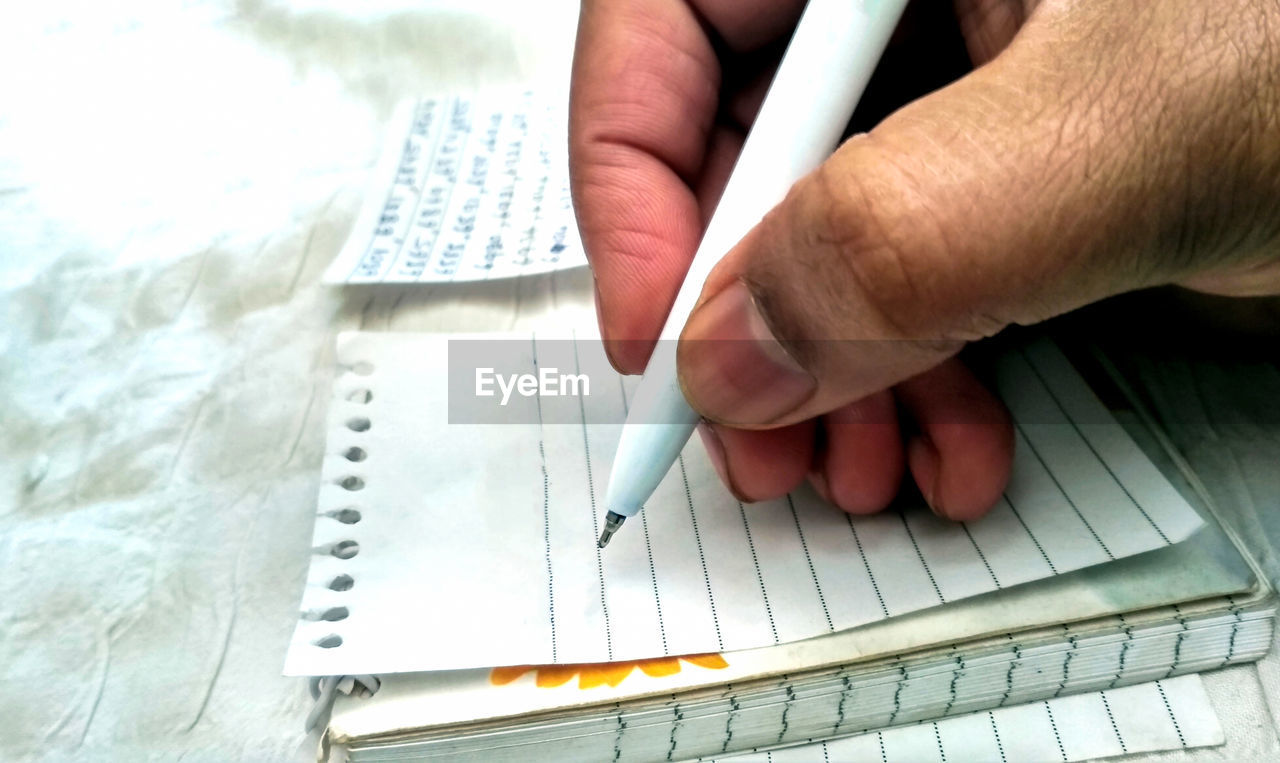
<point x="173" y="181"/>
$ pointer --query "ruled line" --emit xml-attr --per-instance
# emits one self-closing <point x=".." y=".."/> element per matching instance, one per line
<point x="1022" y="433"/>
<point x="546" y="513"/>
<point x="1098" y="456"/>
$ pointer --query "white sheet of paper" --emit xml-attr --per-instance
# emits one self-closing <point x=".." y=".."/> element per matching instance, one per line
<point x="467" y="189"/>
<point x="1162" y="715"/>
<point x="476" y="543"/>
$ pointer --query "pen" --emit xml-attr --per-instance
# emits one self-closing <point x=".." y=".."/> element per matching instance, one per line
<point x="834" y="50"/>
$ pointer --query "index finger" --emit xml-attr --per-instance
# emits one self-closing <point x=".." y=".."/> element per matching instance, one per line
<point x="646" y="158"/>
<point x="644" y="95"/>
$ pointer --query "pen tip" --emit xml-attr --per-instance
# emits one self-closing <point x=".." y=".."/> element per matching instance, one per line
<point x="612" y="521"/>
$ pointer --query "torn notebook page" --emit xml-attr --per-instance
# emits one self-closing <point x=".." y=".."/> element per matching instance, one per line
<point x="441" y="544"/>
<point x="467" y="189"/>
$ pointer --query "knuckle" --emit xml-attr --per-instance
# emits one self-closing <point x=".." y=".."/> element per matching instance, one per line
<point x="864" y="248"/>
<point x="876" y="249"/>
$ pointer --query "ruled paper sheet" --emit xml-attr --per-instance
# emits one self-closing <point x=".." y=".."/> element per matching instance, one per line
<point x="1162" y="715"/>
<point x="476" y="543"/>
<point x="467" y="189"/>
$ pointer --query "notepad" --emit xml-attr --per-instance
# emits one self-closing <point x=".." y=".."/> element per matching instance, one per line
<point x="1161" y="715"/>
<point x="467" y="188"/>
<point x="445" y="545"/>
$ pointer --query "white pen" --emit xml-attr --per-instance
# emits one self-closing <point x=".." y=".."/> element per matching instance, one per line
<point x="832" y="54"/>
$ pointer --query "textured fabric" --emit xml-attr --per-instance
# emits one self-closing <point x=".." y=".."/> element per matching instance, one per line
<point x="172" y="184"/>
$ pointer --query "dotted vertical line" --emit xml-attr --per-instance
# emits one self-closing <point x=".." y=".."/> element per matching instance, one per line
<point x="591" y="493"/>
<point x="653" y="578"/>
<point x="648" y="547"/>
<point x="937" y="737"/>
<point x="1106" y="705"/>
<point x="755" y="561"/>
<point x="1054" y="725"/>
<point x="995" y="580"/>
<point x="995" y="732"/>
<point x="1022" y="433"/>
<point x="1017" y="515"/>
<point x="1176" y="727"/>
<point x="702" y="557"/>
<point x="546" y="510"/>
<point x="809" y="560"/>
<point x="907" y="526"/>
<point x="1093" y="450"/>
<point x="884" y="610"/>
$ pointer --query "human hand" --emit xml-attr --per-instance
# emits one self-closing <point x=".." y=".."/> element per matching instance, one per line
<point x="1099" y="147"/>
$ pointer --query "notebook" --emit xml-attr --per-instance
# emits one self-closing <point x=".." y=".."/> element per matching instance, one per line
<point x="454" y="558"/>
<point x="1160" y="715"/>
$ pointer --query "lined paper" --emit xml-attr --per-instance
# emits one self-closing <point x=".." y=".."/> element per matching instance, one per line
<point x="477" y="543"/>
<point x="467" y="188"/>
<point x="1162" y="715"/>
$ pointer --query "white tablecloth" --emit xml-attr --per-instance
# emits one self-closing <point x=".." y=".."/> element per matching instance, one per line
<point x="173" y="180"/>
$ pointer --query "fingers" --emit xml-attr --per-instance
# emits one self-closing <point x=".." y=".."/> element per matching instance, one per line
<point x="644" y="93"/>
<point x="989" y="25"/>
<point x="759" y="465"/>
<point x="749" y="26"/>
<point x="647" y="163"/>
<point x="1024" y="190"/>
<point x="859" y="468"/>
<point x="962" y="457"/>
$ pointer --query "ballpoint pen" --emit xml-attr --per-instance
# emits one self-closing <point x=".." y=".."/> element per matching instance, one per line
<point x="834" y="50"/>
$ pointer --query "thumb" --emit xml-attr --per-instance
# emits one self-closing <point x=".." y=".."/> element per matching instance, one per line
<point x="1030" y="187"/>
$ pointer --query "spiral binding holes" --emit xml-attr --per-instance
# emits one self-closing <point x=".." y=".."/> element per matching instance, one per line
<point x="348" y="515"/>
<point x="330" y="614"/>
<point x="345" y="549"/>
<point x="328" y="641"/>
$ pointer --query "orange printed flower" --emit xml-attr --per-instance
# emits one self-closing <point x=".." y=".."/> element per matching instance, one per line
<point x="593" y="674"/>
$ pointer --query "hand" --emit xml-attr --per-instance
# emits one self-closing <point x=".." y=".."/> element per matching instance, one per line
<point x="1099" y="147"/>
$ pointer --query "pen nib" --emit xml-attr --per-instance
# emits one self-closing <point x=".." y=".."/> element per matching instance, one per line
<point x="612" y="521"/>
